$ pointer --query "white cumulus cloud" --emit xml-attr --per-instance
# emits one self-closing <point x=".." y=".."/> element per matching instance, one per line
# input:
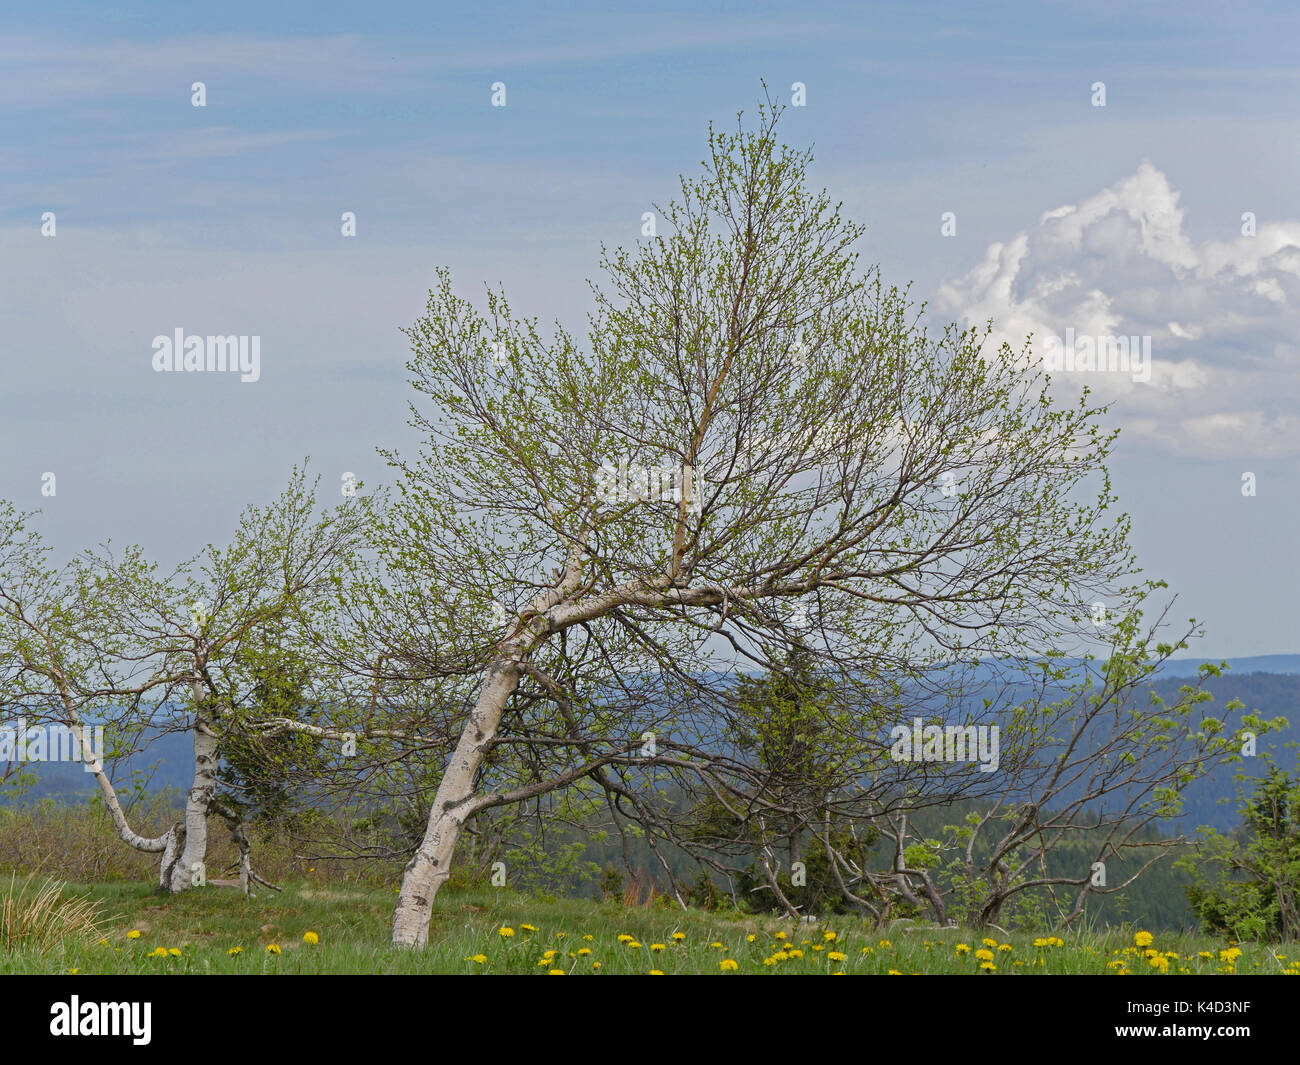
<point x="1221" y="317"/>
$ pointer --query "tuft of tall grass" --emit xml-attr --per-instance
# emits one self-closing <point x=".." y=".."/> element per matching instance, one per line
<point x="43" y="918"/>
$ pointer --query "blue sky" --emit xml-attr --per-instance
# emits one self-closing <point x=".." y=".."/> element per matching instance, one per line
<point x="225" y="219"/>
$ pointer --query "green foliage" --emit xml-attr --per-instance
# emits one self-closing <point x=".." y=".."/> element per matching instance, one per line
<point x="271" y="679"/>
<point x="1248" y="881"/>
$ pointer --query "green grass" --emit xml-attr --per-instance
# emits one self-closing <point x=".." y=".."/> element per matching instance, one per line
<point x="352" y="924"/>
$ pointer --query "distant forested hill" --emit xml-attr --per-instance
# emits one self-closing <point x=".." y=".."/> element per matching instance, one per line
<point x="1186" y="667"/>
<point x="1212" y="799"/>
<point x="168" y="760"/>
<point x="1157" y="900"/>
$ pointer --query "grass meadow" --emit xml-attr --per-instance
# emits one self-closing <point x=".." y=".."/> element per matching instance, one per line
<point x="313" y="928"/>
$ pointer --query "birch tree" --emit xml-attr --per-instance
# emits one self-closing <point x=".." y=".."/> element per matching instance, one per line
<point x="756" y="442"/>
<point x="107" y="641"/>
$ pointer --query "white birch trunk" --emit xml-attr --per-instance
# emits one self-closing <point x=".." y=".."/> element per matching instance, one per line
<point x="171" y="854"/>
<point x="453" y="805"/>
<point x="168" y="843"/>
<point x="190" y="867"/>
<point x="125" y="832"/>
<point x="428" y="869"/>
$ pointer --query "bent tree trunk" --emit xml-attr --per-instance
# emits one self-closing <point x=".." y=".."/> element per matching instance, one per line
<point x="169" y="843"/>
<point x="428" y="869"/>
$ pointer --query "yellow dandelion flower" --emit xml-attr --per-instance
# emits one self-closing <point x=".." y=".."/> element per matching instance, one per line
<point x="716" y="945"/>
<point x="656" y="972"/>
<point x="656" y="946"/>
<point x="505" y="932"/>
<point x="273" y="948"/>
<point x="174" y="952"/>
<point x="583" y="951"/>
<point x="1143" y="939"/>
<point x="963" y="948"/>
<point x="311" y="938"/>
<point x="679" y="936"/>
<point x="988" y="966"/>
<point x="1004" y="946"/>
<point x="235" y="950"/>
<point x="480" y="959"/>
<point x="992" y="943"/>
<point x="556" y="972"/>
<point x="727" y="965"/>
<point x="133" y="934"/>
<point x="836" y="955"/>
<point x="528" y="927"/>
